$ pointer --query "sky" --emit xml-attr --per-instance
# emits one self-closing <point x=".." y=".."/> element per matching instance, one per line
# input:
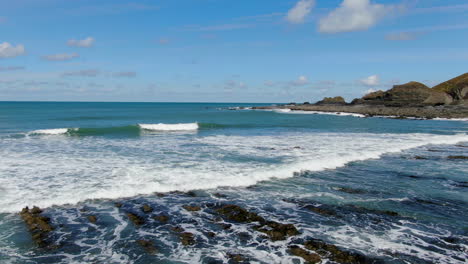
<point x="225" y="50"/>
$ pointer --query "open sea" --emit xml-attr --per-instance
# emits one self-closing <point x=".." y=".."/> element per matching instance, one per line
<point x="394" y="191"/>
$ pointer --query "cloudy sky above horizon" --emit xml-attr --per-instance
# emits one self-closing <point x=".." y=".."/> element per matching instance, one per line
<point x="224" y="50"/>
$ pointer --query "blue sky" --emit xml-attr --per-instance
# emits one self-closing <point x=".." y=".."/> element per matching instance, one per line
<point x="225" y="50"/>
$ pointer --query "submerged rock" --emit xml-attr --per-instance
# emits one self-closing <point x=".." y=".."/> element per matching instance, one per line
<point x="137" y="220"/>
<point x="161" y="218"/>
<point x="38" y="225"/>
<point x="238" y="214"/>
<point x="146" y="209"/>
<point x="186" y="238"/>
<point x="237" y="258"/>
<point x="92" y="218"/>
<point x="277" y="231"/>
<point x="192" y="208"/>
<point x="148" y="246"/>
<point x="306" y="255"/>
<point x="459" y="157"/>
<point x="349" y="190"/>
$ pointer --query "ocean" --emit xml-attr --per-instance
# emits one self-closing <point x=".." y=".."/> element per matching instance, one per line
<point x="386" y="190"/>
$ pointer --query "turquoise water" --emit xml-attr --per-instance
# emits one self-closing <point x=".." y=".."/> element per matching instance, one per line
<point x="78" y="159"/>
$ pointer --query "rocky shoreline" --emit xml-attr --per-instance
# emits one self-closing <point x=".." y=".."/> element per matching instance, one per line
<point x="411" y="100"/>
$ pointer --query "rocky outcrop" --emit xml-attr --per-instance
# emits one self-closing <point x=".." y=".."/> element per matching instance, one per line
<point x="38" y="225"/>
<point x="409" y="94"/>
<point x="457" y="88"/>
<point x="332" y="100"/>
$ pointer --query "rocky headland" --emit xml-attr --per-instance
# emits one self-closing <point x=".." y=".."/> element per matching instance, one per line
<point x="446" y="100"/>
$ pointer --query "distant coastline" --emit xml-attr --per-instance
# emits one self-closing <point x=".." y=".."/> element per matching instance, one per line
<point x="411" y="100"/>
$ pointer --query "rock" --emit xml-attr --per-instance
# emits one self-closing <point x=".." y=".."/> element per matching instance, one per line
<point x="146" y="209"/>
<point x="307" y="256"/>
<point x="161" y="218"/>
<point x="192" y="208"/>
<point x="187" y="238"/>
<point x="38" y="225"/>
<point x="334" y="253"/>
<point x="332" y="100"/>
<point x="148" y="246"/>
<point x="236" y="258"/>
<point x="320" y="210"/>
<point x="219" y="195"/>
<point x="118" y="205"/>
<point x="137" y="220"/>
<point x="457" y="88"/>
<point x="211" y="234"/>
<point x="458" y="157"/>
<point x="420" y="158"/>
<point x="349" y="190"/>
<point x="92" y="218"/>
<point x="277" y="231"/>
<point x="238" y="214"/>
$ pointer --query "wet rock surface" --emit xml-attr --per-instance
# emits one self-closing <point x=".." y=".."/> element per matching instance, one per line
<point x="39" y="226"/>
<point x="309" y="257"/>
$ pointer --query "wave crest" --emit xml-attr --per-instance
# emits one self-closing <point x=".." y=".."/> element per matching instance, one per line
<point x="169" y="127"/>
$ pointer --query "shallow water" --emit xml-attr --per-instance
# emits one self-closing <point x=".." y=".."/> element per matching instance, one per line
<point x="387" y="187"/>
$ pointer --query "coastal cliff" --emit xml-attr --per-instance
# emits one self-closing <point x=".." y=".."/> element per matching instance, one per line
<point x="414" y="99"/>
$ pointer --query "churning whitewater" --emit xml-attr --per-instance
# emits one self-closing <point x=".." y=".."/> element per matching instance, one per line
<point x="71" y="170"/>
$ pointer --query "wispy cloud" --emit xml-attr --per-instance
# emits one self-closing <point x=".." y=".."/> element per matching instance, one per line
<point x="61" y="57"/>
<point x="414" y="33"/>
<point x="11" y="68"/>
<point x="299" y="12"/>
<point x="8" y="50"/>
<point x="372" y="80"/>
<point x="83" y="43"/>
<point x="82" y="73"/>
<point x="128" y="74"/>
<point x="301" y="80"/>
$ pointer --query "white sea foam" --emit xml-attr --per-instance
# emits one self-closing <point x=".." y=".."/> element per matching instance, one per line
<point x="54" y="131"/>
<point x="59" y="170"/>
<point x="169" y="127"/>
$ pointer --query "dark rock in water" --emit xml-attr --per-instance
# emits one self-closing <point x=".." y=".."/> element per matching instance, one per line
<point x="420" y="158"/>
<point x="118" y="205"/>
<point x="349" y="190"/>
<point x="161" y="218"/>
<point x="332" y="100"/>
<point x="137" y="220"/>
<point x="274" y="230"/>
<point x="38" y="225"/>
<point x="219" y="195"/>
<point x="334" y="253"/>
<point x="211" y="234"/>
<point x="277" y="231"/>
<point x="458" y="157"/>
<point x="191" y="194"/>
<point x="92" y="218"/>
<point x="320" y="210"/>
<point x="360" y="209"/>
<point x="148" y="246"/>
<point x="187" y="238"/>
<point x="192" y="208"/>
<point x="461" y="146"/>
<point x="238" y="214"/>
<point x="177" y="229"/>
<point x="160" y="194"/>
<point x="146" y="209"/>
<point x="307" y="256"/>
<point x="237" y="258"/>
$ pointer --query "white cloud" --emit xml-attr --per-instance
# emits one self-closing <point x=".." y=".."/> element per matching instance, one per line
<point x="83" y="43"/>
<point x="61" y="57"/>
<point x="301" y="80"/>
<point x="83" y="73"/>
<point x="372" y="80"/>
<point x="354" y="15"/>
<point x="9" y="51"/>
<point x="299" y="12"/>
<point x="369" y="91"/>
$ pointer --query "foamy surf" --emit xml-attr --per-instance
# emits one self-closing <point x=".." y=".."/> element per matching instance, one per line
<point x="54" y="131"/>
<point x="170" y="127"/>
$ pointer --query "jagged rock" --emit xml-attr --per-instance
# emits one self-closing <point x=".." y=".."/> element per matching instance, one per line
<point x="420" y="158"/>
<point x="349" y="190"/>
<point x="137" y="220"/>
<point x="92" y="218"/>
<point x="274" y="230"/>
<point x="456" y="87"/>
<point x="334" y="253"/>
<point x="38" y="225"/>
<point x="307" y="256"/>
<point x="118" y="205"/>
<point x="187" y="238"/>
<point x="148" y="246"/>
<point x="320" y="210"/>
<point x="236" y="258"/>
<point x="192" y="208"/>
<point x="146" y="209"/>
<point x="332" y="100"/>
<point x="239" y="214"/>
